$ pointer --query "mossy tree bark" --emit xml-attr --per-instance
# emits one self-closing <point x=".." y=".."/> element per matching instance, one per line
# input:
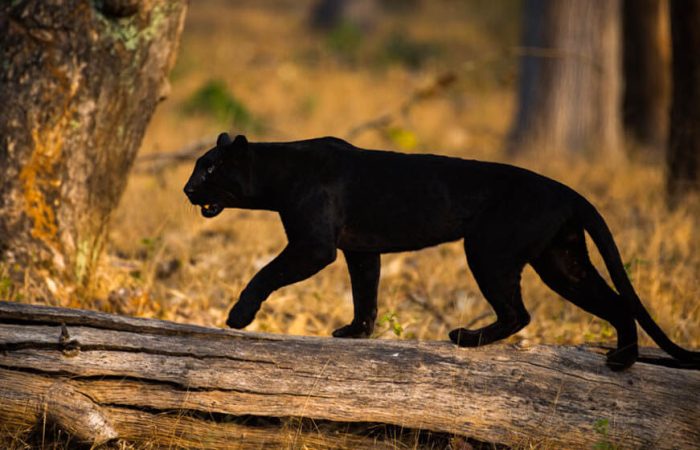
<point x="570" y="78"/>
<point x="683" y="156"/>
<point x="80" y="80"/>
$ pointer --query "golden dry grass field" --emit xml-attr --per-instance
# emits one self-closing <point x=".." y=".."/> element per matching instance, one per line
<point x="270" y="76"/>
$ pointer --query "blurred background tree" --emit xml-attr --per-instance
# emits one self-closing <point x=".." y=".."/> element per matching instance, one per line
<point x="647" y="75"/>
<point x="570" y="77"/>
<point x="589" y="69"/>
<point x="80" y="80"/>
<point x="683" y="157"/>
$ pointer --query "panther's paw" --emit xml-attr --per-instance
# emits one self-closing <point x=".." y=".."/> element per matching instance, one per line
<point x="354" y="330"/>
<point x="241" y="316"/>
<point x="465" y="338"/>
<point x="618" y="360"/>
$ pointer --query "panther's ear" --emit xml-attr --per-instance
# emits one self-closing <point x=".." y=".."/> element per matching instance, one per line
<point x="223" y="139"/>
<point x="240" y="142"/>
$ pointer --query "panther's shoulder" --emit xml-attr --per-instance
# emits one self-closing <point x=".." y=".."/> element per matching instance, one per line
<point x="323" y="144"/>
<point x="328" y="141"/>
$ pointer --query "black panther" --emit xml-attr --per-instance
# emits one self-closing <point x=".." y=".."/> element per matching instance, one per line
<point x="331" y="195"/>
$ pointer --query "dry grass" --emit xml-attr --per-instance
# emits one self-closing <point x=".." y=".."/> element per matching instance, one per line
<point x="289" y="78"/>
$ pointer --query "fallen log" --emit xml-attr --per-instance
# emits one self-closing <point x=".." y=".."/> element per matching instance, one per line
<point x="101" y="377"/>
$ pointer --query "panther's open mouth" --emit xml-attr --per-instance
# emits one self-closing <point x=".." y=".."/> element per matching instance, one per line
<point x="211" y="210"/>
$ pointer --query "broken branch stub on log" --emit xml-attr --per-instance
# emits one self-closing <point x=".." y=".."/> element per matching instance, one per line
<point x="143" y="379"/>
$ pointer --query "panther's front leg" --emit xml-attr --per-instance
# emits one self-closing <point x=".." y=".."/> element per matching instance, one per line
<point x="364" y="277"/>
<point x="298" y="261"/>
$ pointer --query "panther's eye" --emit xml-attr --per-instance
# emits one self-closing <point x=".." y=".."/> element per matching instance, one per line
<point x="210" y="169"/>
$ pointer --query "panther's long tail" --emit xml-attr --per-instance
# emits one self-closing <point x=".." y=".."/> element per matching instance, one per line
<point x="602" y="237"/>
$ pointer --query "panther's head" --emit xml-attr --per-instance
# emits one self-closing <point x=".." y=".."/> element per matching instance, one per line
<point x="221" y="177"/>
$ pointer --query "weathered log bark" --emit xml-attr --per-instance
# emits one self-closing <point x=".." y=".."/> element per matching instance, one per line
<point x="647" y="74"/>
<point x="570" y="78"/>
<point x="136" y="379"/>
<point x="683" y="156"/>
<point x="79" y="82"/>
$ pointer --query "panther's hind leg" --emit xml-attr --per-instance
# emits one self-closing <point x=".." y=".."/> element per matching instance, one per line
<point x="364" y="278"/>
<point x="566" y="268"/>
<point x="499" y="281"/>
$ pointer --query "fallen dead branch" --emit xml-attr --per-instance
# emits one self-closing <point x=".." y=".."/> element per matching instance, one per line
<point x="156" y="162"/>
<point x="103" y="377"/>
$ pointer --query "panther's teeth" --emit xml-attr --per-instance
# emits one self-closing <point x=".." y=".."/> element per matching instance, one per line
<point x="206" y="206"/>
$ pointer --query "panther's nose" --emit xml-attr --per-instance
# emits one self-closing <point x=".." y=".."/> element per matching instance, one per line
<point x="189" y="190"/>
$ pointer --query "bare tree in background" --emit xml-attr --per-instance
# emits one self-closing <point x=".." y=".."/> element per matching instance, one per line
<point x="646" y="67"/>
<point x="570" y="77"/>
<point x="683" y="156"/>
<point x="80" y="80"/>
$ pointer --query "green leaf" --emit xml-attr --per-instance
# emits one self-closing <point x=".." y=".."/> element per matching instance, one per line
<point x="214" y="99"/>
<point x="402" y="138"/>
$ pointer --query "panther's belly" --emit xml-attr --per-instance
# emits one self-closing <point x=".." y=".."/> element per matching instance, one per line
<point x="397" y="238"/>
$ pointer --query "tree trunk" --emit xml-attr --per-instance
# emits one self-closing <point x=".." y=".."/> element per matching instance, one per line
<point x="683" y="157"/>
<point x="646" y="63"/>
<point x="570" y="78"/>
<point x="80" y="80"/>
<point x="145" y="379"/>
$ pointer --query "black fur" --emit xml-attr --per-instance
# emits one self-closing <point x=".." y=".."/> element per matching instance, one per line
<point x="331" y="195"/>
